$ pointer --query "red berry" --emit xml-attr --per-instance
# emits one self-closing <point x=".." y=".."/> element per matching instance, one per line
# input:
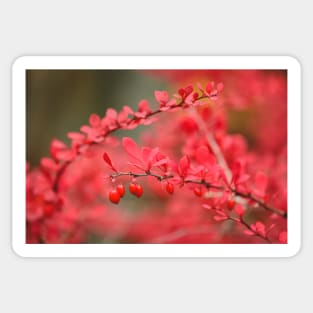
<point x="121" y="190"/>
<point x="114" y="196"/>
<point x="198" y="192"/>
<point x="169" y="188"/>
<point x="139" y="191"/>
<point x="230" y="204"/>
<point x="133" y="188"/>
<point x="48" y="210"/>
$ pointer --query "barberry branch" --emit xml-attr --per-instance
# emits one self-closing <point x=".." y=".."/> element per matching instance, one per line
<point x="244" y="223"/>
<point x="249" y="196"/>
<point x="132" y="120"/>
<point x="204" y="183"/>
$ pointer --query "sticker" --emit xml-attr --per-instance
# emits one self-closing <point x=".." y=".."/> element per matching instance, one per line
<point x="148" y="156"/>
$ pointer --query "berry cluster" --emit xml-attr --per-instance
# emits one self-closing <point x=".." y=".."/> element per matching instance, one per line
<point x="116" y="194"/>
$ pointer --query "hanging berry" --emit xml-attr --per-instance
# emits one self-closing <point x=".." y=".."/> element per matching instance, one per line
<point x="133" y="188"/>
<point x="230" y="204"/>
<point x="48" y="210"/>
<point x="121" y="190"/>
<point x="139" y="191"/>
<point x="198" y="192"/>
<point x="169" y="188"/>
<point x="114" y="196"/>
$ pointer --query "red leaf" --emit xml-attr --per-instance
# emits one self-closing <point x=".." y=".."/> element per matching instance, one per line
<point x="219" y="87"/>
<point x="206" y="206"/>
<point x="143" y="107"/>
<point x="111" y="114"/>
<point x="220" y="212"/>
<point x="161" y="96"/>
<point x="242" y="179"/>
<point x="283" y="237"/>
<point x="239" y="210"/>
<point x="209" y="87"/>
<point x="219" y="218"/>
<point x="131" y="148"/>
<point x="127" y="109"/>
<point x="65" y="155"/>
<point x="76" y="136"/>
<point x="189" y="89"/>
<point x="160" y="162"/>
<point x="253" y="227"/>
<point x="48" y="164"/>
<point x="183" y="166"/>
<point x="56" y="146"/>
<point x="151" y="158"/>
<point x="190" y="99"/>
<point x="204" y="156"/>
<point x="145" y="153"/>
<point x="107" y="159"/>
<point x="86" y="129"/>
<point x="237" y="170"/>
<point x="171" y="103"/>
<point x="153" y="154"/>
<point x="122" y="117"/>
<point x="94" y="120"/>
<point x="148" y="121"/>
<point x="260" y="183"/>
<point x="260" y="228"/>
<point x="249" y="232"/>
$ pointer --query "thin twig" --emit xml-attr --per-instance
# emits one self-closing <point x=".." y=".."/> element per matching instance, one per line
<point x="242" y="222"/>
<point x="146" y="174"/>
<point x="249" y="196"/>
<point x="213" y="145"/>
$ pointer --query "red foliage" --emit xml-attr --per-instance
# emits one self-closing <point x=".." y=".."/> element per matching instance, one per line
<point x="199" y="183"/>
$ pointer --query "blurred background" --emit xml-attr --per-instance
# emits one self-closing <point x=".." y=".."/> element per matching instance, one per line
<point x="59" y="101"/>
<point x="249" y="118"/>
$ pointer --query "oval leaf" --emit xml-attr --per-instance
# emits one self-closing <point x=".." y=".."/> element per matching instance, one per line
<point x="107" y="159"/>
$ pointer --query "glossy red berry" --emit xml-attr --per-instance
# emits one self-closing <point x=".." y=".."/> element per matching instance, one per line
<point x="139" y="191"/>
<point x="230" y="204"/>
<point x="198" y="192"/>
<point x="48" y="210"/>
<point x="121" y="190"/>
<point x="114" y="196"/>
<point x="133" y="188"/>
<point x="169" y="188"/>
